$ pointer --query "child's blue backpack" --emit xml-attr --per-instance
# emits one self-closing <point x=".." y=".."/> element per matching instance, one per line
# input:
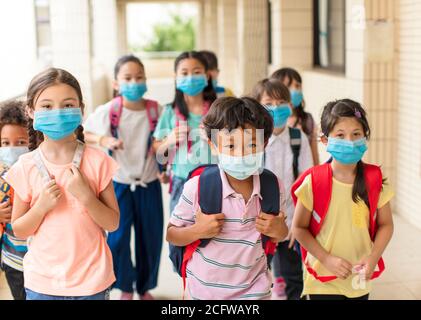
<point x="210" y="202"/>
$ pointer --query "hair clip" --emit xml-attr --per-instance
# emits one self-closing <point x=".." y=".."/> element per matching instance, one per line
<point x="358" y="114"/>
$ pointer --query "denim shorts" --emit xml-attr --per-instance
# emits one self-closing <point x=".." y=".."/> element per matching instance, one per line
<point x="31" y="295"/>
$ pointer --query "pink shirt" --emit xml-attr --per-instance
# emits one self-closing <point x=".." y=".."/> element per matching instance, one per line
<point x="68" y="255"/>
<point x="233" y="265"/>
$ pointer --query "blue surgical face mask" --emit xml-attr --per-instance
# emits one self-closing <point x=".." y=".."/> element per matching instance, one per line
<point x="192" y="85"/>
<point x="345" y="151"/>
<point x="296" y="98"/>
<point x="133" y="91"/>
<point x="215" y="83"/>
<point x="241" y="168"/>
<point x="59" y="123"/>
<point x="9" y="155"/>
<point x="280" y="114"/>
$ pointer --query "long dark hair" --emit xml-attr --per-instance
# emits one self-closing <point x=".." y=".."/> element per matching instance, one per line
<point x="209" y="93"/>
<point x="121" y="62"/>
<point x="42" y="81"/>
<point x="331" y="115"/>
<point x="303" y="117"/>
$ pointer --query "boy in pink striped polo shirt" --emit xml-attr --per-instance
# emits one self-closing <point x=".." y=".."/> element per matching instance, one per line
<point x="233" y="265"/>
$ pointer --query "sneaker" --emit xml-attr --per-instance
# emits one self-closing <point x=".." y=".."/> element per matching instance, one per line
<point x="126" y="296"/>
<point x="147" y="296"/>
<point x="279" y="289"/>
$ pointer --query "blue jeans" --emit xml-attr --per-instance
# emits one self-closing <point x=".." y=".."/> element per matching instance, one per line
<point x="177" y="190"/>
<point x="32" y="295"/>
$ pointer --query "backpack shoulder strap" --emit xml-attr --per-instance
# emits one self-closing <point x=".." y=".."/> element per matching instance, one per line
<point x="115" y="115"/>
<point x="153" y="113"/>
<point x="295" y="138"/>
<point x="269" y="190"/>
<point x="270" y="204"/>
<point x="36" y="155"/>
<point x="210" y="193"/>
<point x="374" y="181"/>
<point x="39" y="163"/>
<point x="77" y="158"/>
<point x="210" y="190"/>
<point x="321" y="182"/>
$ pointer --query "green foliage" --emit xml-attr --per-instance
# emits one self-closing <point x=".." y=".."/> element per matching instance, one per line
<point x="178" y="35"/>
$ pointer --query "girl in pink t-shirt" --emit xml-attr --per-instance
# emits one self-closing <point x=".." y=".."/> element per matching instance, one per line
<point x="64" y="198"/>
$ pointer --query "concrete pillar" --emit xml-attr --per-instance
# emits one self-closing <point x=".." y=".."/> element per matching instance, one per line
<point x="380" y="82"/>
<point x="252" y="43"/>
<point x="292" y="34"/>
<point x="71" y="44"/>
<point x="227" y="40"/>
<point x="210" y="25"/>
<point x="122" y="46"/>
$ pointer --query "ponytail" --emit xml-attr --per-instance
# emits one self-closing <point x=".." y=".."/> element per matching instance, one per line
<point x="79" y="134"/>
<point x="359" y="190"/>
<point x="35" y="137"/>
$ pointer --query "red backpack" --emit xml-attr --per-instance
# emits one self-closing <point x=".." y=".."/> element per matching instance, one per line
<point x="117" y="109"/>
<point x="321" y="180"/>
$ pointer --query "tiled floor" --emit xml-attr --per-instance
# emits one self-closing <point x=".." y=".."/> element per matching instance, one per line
<point x="400" y="281"/>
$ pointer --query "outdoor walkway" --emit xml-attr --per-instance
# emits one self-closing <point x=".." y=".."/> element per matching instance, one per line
<point x="400" y="281"/>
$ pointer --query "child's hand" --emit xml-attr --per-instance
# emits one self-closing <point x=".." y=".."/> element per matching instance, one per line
<point x="111" y="143"/>
<point x="339" y="267"/>
<point x="365" y="267"/>
<point x="163" y="178"/>
<point x="5" y="212"/>
<point x="78" y="186"/>
<point x="49" y="197"/>
<point x="272" y="226"/>
<point x="208" y="226"/>
<point x="291" y="239"/>
<point x="178" y="135"/>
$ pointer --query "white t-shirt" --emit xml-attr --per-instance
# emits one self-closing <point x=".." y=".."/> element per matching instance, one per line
<point x="279" y="159"/>
<point x="133" y="130"/>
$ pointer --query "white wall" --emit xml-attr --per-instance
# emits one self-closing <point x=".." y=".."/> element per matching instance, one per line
<point x="18" y="53"/>
<point x="408" y="187"/>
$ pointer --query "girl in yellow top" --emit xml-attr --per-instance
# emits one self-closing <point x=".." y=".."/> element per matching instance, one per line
<point x="343" y="246"/>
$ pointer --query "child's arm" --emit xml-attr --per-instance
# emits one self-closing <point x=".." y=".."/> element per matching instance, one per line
<point x="104" y="211"/>
<point x="204" y="227"/>
<point x="178" y="135"/>
<point x="107" y="142"/>
<point x="384" y="234"/>
<point x="300" y="223"/>
<point x="26" y="220"/>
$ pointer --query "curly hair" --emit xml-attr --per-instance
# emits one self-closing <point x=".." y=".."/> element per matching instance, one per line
<point x="13" y="112"/>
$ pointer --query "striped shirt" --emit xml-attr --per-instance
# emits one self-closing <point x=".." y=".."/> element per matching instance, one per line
<point x="233" y="265"/>
<point x="12" y="249"/>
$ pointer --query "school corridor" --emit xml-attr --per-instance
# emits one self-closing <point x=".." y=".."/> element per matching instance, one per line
<point x="366" y="50"/>
<point x="400" y="281"/>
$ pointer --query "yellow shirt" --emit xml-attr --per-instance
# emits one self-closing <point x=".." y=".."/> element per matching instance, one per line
<point x="344" y="234"/>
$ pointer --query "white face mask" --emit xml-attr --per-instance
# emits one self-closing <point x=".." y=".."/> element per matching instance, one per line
<point x="241" y="168"/>
<point x="9" y="155"/>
